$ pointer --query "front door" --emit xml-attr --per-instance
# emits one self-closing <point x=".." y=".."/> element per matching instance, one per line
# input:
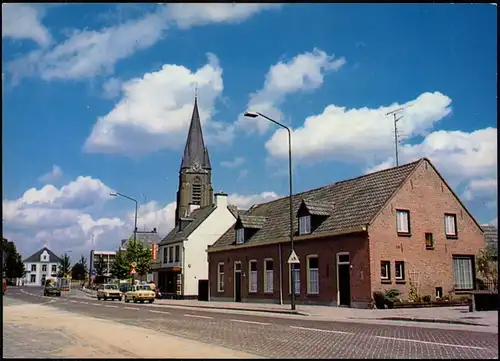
<point x="43" y="280"/>
<point x="344" y="285"/>
<point x="237" y="287"/>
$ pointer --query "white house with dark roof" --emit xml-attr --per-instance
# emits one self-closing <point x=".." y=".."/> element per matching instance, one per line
<point x="40" y="266"/>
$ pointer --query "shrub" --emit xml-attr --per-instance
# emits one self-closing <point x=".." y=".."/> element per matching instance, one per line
<point x="426" y="299"/>
<point x="379" y="299"/>
<point x="390" y="297"/>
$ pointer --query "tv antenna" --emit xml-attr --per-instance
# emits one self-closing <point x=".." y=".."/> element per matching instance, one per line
<point x="395" y="114"/>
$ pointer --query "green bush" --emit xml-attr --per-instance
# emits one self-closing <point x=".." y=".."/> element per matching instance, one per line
<point x="391" y="296"/>
<point x="426" y="299"/>
<point x="379" y="299"/>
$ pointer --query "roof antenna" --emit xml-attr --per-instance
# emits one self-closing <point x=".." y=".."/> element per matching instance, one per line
<point x="396" y="134"/>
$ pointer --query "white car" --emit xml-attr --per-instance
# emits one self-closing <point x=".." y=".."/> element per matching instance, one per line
<point x="109" y="291"/>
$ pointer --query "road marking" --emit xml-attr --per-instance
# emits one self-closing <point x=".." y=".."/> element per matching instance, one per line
<point x="252" y="322"/>
<point x="83" y="303"/>
<point x="74" y="301"/>
<point x="198" y="316"/>
<point x="95" y="304"/>
<point x="131" y="308"/>
<point x="321" y="330"/>
<point x="429" y="342"/>
<point x="111" y="306"/>
<point x="163" y="312"/>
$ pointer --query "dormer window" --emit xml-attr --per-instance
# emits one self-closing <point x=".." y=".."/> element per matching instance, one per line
<point x="304" y="225"/>
<point x="240" y="235"/>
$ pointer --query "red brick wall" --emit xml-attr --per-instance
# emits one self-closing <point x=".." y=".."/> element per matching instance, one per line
<point x="326" y="249"/>
<point x="427" y="198"/>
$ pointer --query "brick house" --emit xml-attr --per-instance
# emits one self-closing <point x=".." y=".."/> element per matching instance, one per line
<point x="379" y="231"/>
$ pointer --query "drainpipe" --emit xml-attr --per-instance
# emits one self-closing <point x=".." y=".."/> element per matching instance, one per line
<point x="281" y="275"/>
<point x="183" y="277"/>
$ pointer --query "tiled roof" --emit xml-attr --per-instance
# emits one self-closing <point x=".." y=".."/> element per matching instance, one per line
<point x="256" y="222"/>
<point x="356" y="202"/>
<point x="491" y="235"/>
<point x="318" y="208"/>
<point x="35" y="257"/>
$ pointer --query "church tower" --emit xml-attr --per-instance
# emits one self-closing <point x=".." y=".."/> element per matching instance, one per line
<point x="195" y="174"/>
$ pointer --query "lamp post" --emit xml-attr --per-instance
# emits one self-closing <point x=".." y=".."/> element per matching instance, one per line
<point x="255" y="115"/>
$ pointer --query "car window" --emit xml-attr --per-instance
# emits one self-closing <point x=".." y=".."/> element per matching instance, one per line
<point x="111" y="287"/>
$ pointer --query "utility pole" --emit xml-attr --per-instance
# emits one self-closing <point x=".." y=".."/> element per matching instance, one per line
<point x="396" y="119"/>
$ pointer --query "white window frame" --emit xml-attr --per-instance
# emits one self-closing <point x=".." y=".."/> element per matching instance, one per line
<point x="220" y="277"/>
<point x="297" y="278"/>
<point x="253" y="281"/>
<point x="268" y="277"/>
<point x="171" y="254"/>
<point x="33" y="268"/>
<point x="312" y="273"/>
<point x="305" y="225"/>
<point x="450" y="221"/>
<point x="462" y="264"/>
<point x="387" y="277"/>
<point x="402" y="217"/>
<point x="53" y="268"/>
<point x="32" y="278"/>
<point x="240" y="235"/>
<point x="44" y="268"/>
<point x="396" y="265"/>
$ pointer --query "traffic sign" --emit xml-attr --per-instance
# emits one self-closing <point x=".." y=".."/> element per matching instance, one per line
<point x="133" y="272"/>
<point x="94" y="272"/>
<point x="293" y="259"/>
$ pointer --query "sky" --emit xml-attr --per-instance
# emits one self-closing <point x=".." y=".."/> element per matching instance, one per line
<point x="98" y="97"/>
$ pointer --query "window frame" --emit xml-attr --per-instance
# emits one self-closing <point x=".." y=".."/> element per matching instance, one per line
<point x="308" y="259"/>
<point x="453" y="216"/>
<point x="165" y="254"/>
<point x="220" y="281"/>
<point x="33" y="268"/>
<point x="32" y="278"/>
<point x="472" y="260"/>
<point x="177" y="253"/>
<point x="297" y="279"/>
<point x="402" y="278"/>
<point x="386" y="279"/>
<point x="408" y="222"/>
<point x="196" y="192"/>
<point x="250" y="277"/>
<point x="427" y="245"/>
<point x="305" y="225"/>
<point x="44" y="268"/>
<point x="54" y="268"/>
<point x="171" y="254"/>
<point x="240" y="235"/>
<point x="266" y="270"/>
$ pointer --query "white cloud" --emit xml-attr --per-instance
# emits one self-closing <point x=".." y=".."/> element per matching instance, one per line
<point x="494" y="222"/>
<point x="112" y="88"/>
<point x="51" y="176"/>
<point x="155" y="110"/>
<point x="21" y="21"/>
<point x="236" y="162"/>
<point x="187" y="15"/>
<point x="246" y="201"/>
<point x="305" y="72"/>
<point x="480" y="188"/>
<point x="242" y="174"/>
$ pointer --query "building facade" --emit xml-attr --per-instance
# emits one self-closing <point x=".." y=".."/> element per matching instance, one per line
<point x="401" y="228"/>
<point x="98" y="257"/>
<point x="41" y="266"/>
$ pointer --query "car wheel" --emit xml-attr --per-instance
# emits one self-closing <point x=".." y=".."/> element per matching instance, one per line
<point x="151" y="301"/>
<point x="127" y="301"/>
<point x="135" y="300"/>
<point x="98" y="298"/>
<point x="105" y="298"/>
<point x="142" y="301"/>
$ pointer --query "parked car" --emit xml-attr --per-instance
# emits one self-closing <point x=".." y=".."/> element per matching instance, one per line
<point x="4" y="286"/>
<point x="109" y="291"/>
<point x="51" y="289"/>
<point x="140" y="293"/>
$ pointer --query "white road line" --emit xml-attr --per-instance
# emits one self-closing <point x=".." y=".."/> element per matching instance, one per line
<point x="95" y="304"/>
<point x="83" y="303"/>
<point x="321" y="330"/>
<point x="74" y="301"/>
<point x="429" y="342"/>
<point x="198" y="316"/>
<point x="111" y="306"/>
<point x="163" y="312"/>
<point x="131" y="308"/>
<point x="252" y="322"/>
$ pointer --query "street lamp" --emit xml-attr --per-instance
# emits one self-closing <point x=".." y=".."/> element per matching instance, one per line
<point x="117" y="194"/>
<point x="255" y="115"/>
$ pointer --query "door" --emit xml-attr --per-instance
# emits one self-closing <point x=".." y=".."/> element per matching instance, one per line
<point x="202" y="290"/>
<point x="344" y="285"/>
<point x="43" y="280"/>
<point x="237" y="286"/>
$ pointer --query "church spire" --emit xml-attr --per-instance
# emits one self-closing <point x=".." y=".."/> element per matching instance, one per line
<point x="195" y="151"/>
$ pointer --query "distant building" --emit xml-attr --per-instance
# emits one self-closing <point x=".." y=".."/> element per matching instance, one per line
<point x="491" y="236"/>
<point x="95" y="258"/>
<point x="41" y="266"/>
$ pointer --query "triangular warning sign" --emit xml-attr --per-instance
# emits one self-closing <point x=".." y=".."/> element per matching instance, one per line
<point x="293" y="259"/>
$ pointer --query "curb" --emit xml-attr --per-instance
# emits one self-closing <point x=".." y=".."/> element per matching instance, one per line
<point x="432" y="320"/>
<point x="289" y="312"/>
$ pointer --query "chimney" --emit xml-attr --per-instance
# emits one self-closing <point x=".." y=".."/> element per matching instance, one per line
<point x="192" y="208"/>
<point x="220" y="199"/>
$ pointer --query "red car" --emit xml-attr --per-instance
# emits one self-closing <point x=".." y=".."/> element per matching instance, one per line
<point x="4" y="286"/>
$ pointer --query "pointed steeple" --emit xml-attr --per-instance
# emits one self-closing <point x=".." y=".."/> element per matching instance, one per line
<point x="195" y="151"/>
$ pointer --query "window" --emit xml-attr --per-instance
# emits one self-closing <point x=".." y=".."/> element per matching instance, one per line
<point x="252" y="271"/>
<point x="33" y="278"/>
<point x="220" y="277"/>
<point x="312" y="275"/>
<point x="54" y="268"/>
<point x="343" y="258"/>
<point x="429" y="241"/>
<point x="165" y="255"/>
<point x="385" y="270"/>
<point x="237" y="266"/>
<point x="44" y="268"/>
<point x="33" y="268"/>
<point x="177" y="253"/>
<point x="196" y="192"/>
<point x="439" y="292"/>
<point x="295" y="268"/>
<point x="463" y="272"/>
<point x="240" y="235"/>
<point x="399" y="270"/>
<point x="171" y="254"/>
<point x="268" y="276"/>
<point x="403" y="221"/>
<point x="305" y="225"/>
<point x="450" y="225"/>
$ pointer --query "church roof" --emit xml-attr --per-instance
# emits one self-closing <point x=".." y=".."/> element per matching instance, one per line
<point x="195" y="151"/>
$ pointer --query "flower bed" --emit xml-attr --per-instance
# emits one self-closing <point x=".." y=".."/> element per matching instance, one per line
<point x="454" y="303"/>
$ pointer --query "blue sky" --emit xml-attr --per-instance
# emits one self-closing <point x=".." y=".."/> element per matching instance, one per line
<point x="98" y="97"/>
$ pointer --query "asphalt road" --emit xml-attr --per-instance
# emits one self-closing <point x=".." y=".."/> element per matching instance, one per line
<point x="282" y="337"/>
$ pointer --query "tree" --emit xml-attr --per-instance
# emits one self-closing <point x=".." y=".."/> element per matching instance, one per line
<point x="487" y="264"/>
<point x="134" y="252"/>
<point x="80" y="271"/>
<point x="64" y="265"/>
<point x="120" y="268"/>
<point x="13" y="263"/>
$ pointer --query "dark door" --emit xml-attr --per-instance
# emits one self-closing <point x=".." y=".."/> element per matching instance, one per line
<point x="202" y="290"/>
<point x="344" y="285"/>
<point x="237" y="287"/>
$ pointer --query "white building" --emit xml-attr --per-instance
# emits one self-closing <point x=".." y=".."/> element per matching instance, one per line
<point x="182" y="253"/>
<point x="107" y="258"/>
<point x="40" y="266"/>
